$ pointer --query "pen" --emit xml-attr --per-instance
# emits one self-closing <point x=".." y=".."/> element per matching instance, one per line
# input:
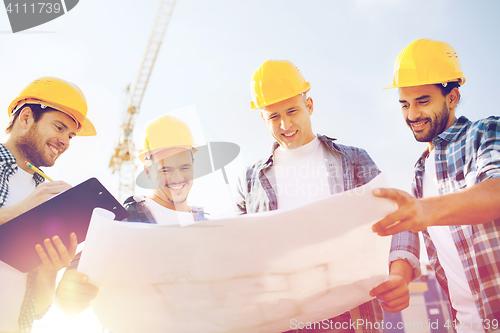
<point x="38" y="171"/>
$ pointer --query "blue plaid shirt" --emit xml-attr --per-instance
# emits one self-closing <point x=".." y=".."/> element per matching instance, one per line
<point x="8" y="167"/>
<point x="466" y="153"/>
<point x="256" y="194"/>
<point x="138" y="211"/>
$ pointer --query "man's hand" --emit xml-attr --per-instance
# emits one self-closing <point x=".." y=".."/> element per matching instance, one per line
<point x="412" y="214"/>
<point x="53" y="259"/>
<point x="74" y="293"/>
<point x="393" y="293"/>
<point x="44" y="192"/>
<point x="56" y="257"/>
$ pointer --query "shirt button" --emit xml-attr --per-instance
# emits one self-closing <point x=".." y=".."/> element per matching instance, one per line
<point x="13" y="166"/>
<point x="1" y="200"/>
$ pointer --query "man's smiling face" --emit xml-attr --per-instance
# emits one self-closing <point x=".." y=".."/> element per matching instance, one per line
<point x="426" y="111"/>
<point x="173" y="175"/>
<point x="289" y="121"/>
<point x="46" y="139"/>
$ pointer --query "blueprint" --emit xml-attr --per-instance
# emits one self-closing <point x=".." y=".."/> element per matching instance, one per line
<point x="252" y="273"/>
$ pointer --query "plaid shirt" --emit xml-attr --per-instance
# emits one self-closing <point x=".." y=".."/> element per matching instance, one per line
<point x="467" y="153"/>
<point x="256" y="194"/>
<point x="8" y="167"/>
<point x="138" y="211"/>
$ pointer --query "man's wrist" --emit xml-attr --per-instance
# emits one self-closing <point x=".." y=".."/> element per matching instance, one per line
<point x="436" y="210"/>
<point x="45" y="278"/>
<point x="402" y="268"/>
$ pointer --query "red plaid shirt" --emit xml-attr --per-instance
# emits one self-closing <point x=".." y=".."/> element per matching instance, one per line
<point x="466" y="153"/>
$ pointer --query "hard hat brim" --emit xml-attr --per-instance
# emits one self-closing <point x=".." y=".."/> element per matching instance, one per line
<point x="307" y="87"/>
<point x="87" y="129"/>
<point x="143" y="153"/>
<point x="460" y="80"/>
<point x="86" y="126"/>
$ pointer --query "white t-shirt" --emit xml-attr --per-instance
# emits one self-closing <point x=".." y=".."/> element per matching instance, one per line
<point x="301" y="175"/>
<point x="12" y="281"/>
<point x="165" y="216"/>
<point x="460" y="293"/>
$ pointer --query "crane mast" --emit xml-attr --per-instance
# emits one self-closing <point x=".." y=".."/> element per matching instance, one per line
<point x="122" y="160"/>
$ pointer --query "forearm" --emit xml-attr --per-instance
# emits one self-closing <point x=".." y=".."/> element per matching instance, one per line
<point x="475" y="205"/>
<point x="403" y="269"/>
<point x="45" y="288"/>
<point x="394" y="292"/>
<point x="8" y="213"/>
<point x="41" y="194"/>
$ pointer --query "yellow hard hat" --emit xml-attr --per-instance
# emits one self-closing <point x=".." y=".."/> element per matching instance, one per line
<point x="426" y="61"/>
<point x="60" y="95"/>
<point x="163" y="133"/>
<point x="274" y="81"/>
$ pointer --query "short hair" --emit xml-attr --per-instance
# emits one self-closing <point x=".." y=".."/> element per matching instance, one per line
<point x="36" y="110"/>
<point x="445" y="90"/>
<point x="304" y="96"/>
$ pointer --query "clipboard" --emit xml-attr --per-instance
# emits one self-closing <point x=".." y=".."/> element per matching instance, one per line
<point x="61" y="215"/>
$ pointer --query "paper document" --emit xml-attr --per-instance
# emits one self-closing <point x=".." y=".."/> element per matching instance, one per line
<point x="253" y="273"/>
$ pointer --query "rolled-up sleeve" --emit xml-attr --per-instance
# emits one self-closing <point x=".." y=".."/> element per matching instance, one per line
<point x="406" y="246"/>
<point x="488" y="152"/>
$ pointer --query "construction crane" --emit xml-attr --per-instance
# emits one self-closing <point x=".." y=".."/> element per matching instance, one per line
<point x="122" y="160"/>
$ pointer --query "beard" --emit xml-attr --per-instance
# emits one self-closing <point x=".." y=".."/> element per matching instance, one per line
<point x="33" y="146"/>
<point x="437" y="125"/>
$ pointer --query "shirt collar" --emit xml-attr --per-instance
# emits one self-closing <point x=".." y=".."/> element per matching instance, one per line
<point x="329" y="142"/>
<point x="38" y="179"/>
<point x="452" y="133"/>
<point x="6" y="156"/>
<point x="421" y="161"/>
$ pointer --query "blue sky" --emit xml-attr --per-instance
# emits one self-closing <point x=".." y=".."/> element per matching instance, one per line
<point x="345" y="49"/>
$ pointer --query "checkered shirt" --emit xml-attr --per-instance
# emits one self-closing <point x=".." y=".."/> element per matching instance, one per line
<point x="256" y="194"/>
<point x="8" y="167"/>
<point x="467" y="153"/>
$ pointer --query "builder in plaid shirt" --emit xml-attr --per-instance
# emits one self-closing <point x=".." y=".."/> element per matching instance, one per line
<point x="303" y="167"/>
<point x="456" y="186"/>
<point x="44" y="117"/>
